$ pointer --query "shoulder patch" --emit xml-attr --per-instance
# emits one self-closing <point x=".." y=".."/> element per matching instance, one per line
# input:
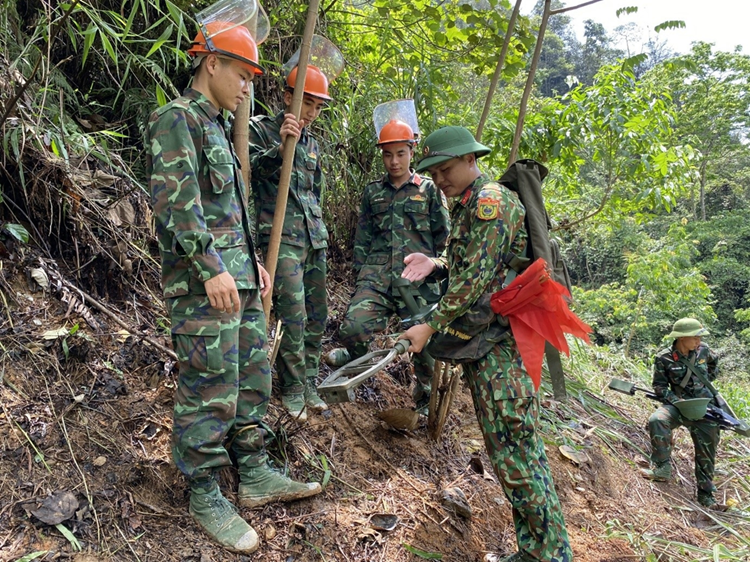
<point x="488" y="208"/>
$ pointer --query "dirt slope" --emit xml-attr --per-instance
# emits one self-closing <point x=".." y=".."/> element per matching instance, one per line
<point x="97" y="424"/>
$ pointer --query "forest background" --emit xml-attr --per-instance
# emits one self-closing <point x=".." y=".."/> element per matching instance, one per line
<point x="647" y="150"/>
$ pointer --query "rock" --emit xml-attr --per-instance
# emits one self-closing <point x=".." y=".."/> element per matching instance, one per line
<point x="455" y="500"/>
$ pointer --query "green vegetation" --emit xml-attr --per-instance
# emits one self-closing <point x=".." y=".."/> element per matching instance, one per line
<point x="648" y="156"/>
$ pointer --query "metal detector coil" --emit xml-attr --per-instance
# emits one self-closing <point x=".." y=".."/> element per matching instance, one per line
<point x="339" y="386"/>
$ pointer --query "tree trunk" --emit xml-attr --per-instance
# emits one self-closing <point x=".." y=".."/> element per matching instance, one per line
<point x="529" y="84"/>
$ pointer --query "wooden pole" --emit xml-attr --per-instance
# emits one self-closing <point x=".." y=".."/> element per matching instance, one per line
<point x="241" y="133"/>
<point x="272" y="257"/>
<point x="498" y="70"/>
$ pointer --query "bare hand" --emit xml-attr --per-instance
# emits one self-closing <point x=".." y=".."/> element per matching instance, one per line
<point x="265" y="281"/>
<point x="418" y="336"/>
<point x="290" y="128"/>
<point x="222" y="292"/>
<point x="418" y="266"/>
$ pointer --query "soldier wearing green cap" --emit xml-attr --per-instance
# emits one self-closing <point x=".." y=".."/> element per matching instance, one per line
<point x="487" y="223"/>
<point x="680" y="373"/>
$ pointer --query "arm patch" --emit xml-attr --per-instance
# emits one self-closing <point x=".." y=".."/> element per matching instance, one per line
<point x="488" y="208"/>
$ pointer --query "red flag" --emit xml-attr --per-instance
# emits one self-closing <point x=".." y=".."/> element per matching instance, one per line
<point x="537" y="309"/>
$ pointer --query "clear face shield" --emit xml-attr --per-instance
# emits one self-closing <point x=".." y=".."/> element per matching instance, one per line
<point x="402" y="111"/>
<point x="323" y="54"/>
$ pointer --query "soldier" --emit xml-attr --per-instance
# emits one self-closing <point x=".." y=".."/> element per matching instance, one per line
<point x="400" y="214"/>
<point x="212" y="283"/>
<point x="681" y="371"/>
<point x="300" y="280"/>
<point x="487" y="223"/>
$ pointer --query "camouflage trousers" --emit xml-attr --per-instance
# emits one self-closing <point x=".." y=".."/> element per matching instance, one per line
<point x="223" y="387"/>
<point x="300" y="302"/>
<point x="507" y="410"/>
<point x="368" y="313"/>
<point x="705" y="435"/>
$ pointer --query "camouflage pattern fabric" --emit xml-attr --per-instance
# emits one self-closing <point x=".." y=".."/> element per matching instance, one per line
<point x="299" y="283"/>
<point x="224" y="384"/>
<point x="368" y="313"/>
<point x="299" y="297"/>
<point x="486" y="223"/>
<point x="393" y="223"/>
<point x="198" y="198"/>
<point x="669" y="372"/>
<point x="303" y="222"/>
<point x="203" y="229"/>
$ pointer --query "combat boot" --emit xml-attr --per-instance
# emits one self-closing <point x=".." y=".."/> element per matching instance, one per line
<point x="295" y="405"/>
<point x="313" y="401"/>
<point x="219" y="519"/>
<point x="262" y="484"/>
<point x="337" y="357"/>
<point x="706" y="499"/>
<point x="659" y="472"/>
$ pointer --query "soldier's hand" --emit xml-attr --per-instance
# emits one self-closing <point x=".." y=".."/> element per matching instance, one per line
<point x="418" y="336"/>
<point x="418" y="266"/>
<point x="222" y="292"/>
<point x="265" y="281"/>
<point x="290" y="129"/>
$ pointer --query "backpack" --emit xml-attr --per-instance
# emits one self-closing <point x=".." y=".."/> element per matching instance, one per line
<point x="525" y="178"/>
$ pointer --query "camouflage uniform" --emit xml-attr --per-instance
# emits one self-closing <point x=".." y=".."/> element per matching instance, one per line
<point x="669" y="373"/>
<point x="203" y="230"/>
<point x="299" y="284"/>
<point x="487" y="223"/>
<point x="393" y="223"/>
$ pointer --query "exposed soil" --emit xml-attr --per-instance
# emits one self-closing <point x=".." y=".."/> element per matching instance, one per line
<point x="93" y="418"/>
<point x="85" y="417"/>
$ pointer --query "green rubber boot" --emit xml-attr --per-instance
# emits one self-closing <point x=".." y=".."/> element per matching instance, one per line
<point x="659" y="472"/>
<point x="337" y="357"/>
<point x="313" y="401"/>
<point x="262" y="484"/>
<point x="219" y="519"/>
<point x="295" y="405"/>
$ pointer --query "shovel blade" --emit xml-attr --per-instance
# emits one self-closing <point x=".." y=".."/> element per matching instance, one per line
<point x="622" y="386"/>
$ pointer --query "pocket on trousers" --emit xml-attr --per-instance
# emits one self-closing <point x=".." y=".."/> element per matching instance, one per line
<point x="202" y="354"/>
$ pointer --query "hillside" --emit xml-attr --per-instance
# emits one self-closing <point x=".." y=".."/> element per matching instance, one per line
<point x="89" y="413"/>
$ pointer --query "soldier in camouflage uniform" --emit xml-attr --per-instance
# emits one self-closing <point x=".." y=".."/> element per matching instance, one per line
<point x="300" y="281"/>
<point x="212" y="283"/>
<point x="400" y="214"/>
<point x="487" y="223"/>
<point x="675" y="380"/>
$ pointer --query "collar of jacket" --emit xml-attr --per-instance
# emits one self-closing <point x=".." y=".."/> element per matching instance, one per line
<point x="415" y="178"/>
<point x="204" y="104"/>
<point x="469" y="190"/>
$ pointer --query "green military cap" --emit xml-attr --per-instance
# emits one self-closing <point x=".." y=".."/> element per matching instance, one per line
<point x="447" y="143"/>
<point x="686" y="328"/>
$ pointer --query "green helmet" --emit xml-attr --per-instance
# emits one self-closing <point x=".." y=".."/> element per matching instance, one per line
<point x="447" y="143"/>
<point x="692" y="408"/>
<point x="686" y="328"/>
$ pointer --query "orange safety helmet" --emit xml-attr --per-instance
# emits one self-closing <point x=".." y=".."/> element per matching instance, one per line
<point x="228" y="40"/>
<point x="316" y="83"/>
<point x="396" y="131"/>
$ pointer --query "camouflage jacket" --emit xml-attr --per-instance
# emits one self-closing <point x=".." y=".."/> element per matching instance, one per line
<point x="198" y="197"/>
<point x="395" y="222"/>
<point x="670" y="370"/>
<point x="303" y="222"/>
<point x="486" y="224"/>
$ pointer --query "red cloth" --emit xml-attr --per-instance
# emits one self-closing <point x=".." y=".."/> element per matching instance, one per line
<point x="537" y="310"/>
